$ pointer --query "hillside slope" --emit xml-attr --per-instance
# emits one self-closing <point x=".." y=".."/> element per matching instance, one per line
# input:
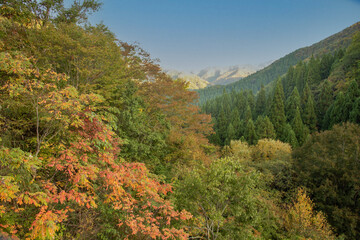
<point x="279" y="67"/>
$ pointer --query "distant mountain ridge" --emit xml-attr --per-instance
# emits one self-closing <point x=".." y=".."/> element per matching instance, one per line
<point x="215" y="75"/>
<point x="340" y="40"/>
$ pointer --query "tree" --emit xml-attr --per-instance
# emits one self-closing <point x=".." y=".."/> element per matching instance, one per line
<point x="68" y="166"/>
<point x="187" y="142"/>
<point x="289" y="136"/>
<point x="236" y="122"/>
<point x="303" y="221"/>
<point x="298" y="127"/>
<point x="292" y="103"/>
<point x="230" y="135"/>
<point x="352" y="93"/>
<point x="289" y="82"/>
<point x="309" y="116"/>
<point x="264" y="128"/>
<point x="250" y="133"/>
<point x="355" y="113"/>
<point x="248" y="115"/>
<point x="277" y="114"/>
<point x="324" y="101"/>
<point x="300" y="76"/>
<point x="222" y="200"/>
<point x="327" y="165"/>
<point x="260" y="106"/>
<point x="45" y="11"/>
<point x="221" y="127"/>
<point x="313" y="74"/>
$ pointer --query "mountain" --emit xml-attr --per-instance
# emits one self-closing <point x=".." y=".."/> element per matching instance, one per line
<point x="268" y="74"/>
<point x="195" y="82"/>
<point x="215" y="75"/>
<point x="223" y="76"/>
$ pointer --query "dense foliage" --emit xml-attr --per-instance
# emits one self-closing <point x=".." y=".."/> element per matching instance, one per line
<point x="96" y="142"/>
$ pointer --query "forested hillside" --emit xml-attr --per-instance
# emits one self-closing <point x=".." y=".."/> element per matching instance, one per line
<point x="270" y="73"/>
<point x="311" y="97"/>
<point x="97" y="142"/>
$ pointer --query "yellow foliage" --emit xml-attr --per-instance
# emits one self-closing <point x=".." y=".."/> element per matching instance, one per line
<point x="240" y="150"/>
<point x="302" y="220"/>
<point x="269" y="149"/>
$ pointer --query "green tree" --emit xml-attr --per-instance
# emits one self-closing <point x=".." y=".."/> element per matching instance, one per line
<point x="289" y="82"/>
<point x="324" y="102"/>
<point x="230" y="135"/>
<point x="355" y="113"/>
<point x="298" y="127"/>
<point x="250" y="133"/>
<point x="309" y="115"/>
<point x="221" y="127"/>
<point x="313" y="74"/>
<point x="264" y="128"/>
<point x="290" y="136"/>
<point x="236" y="122"/>
<point x="248" y="114"/>
<point x="300" y="76"/>
<point x="45" y="11"/>
<point x="277" y="113"/>
<point x="292" y="103"/>
<point x="260" y="106"/>
<point x="327" y="165"/>
<point x="222" y="200"/>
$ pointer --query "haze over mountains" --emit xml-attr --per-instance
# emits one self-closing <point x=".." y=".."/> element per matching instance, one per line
<point x="216" y="75"/>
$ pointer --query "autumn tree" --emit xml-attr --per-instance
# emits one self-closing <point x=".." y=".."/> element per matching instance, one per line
<point x="327" y="165"/>
<point x="302" y="221"/>
<point x="70" y="170"/>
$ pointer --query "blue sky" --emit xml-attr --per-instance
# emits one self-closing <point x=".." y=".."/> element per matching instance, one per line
<point x="189" y="35"/>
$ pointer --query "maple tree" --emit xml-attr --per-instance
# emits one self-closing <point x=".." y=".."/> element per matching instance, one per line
<point x="61" y="181"/>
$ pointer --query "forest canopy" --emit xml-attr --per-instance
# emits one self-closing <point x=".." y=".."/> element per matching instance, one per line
<point x="97" y="142"/>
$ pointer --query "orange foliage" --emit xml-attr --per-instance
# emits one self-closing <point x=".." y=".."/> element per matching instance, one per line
<point x="189" y="127"/>
<point x="79" y="171"/>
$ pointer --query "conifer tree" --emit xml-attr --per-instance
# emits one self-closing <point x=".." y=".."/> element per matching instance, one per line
<point x="248" y="114"/>
<point x="335" y="113"/>
<point x="236" y="122"/>
<point x="324" y="102"/>
<point x="290" y="82"/>
<point x="260" y="106"/>
<point x="264" y="128"/>
<point x="300" y="76"/>
<point x="305" y="96"/>
<point x="251" y="99"/>
<point x="221" y="127"/>
<point x="241" y="104"/>
<point x="277" y="113"/>
<point x="355" y="112"/>
<point x="230" y="135"/>
<point x="250" y="134"/>
<point x="309" y="115"/>
<point x="292" y="103"/>
<point x="289" y="136"/>
<point x="313" y="74"/>
<point x="352" y="93"/>
<point x="325" y="65"/>
<point x="298" y="127"/>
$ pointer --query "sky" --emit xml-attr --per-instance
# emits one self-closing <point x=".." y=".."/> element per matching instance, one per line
<point x="189" y="35"/>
